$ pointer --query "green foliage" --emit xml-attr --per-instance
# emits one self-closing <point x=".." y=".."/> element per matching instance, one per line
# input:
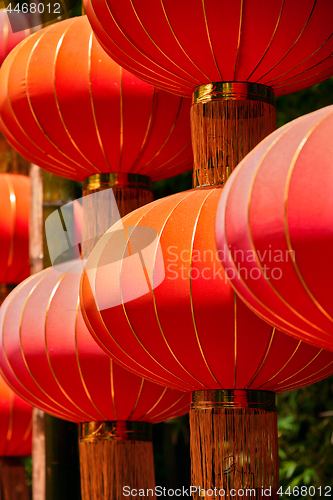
<point x="27" y="461"/>
<point x="305" y="425"/>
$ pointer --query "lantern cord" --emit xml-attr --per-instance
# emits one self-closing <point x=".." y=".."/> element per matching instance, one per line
<point x="235" y="448"/>
<point x="107" y="466"/>
<point x="13" y="482"/>
<point x="223" y="132"/>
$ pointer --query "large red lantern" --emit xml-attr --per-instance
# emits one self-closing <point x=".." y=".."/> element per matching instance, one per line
<point x="190" y="331"/>
<point x="66" y="106"/>
<point x="49" y="358"/>
<point x="274" y="228"/>
<point x="9" y="38"/>
<point x="233" y="57"/>
<point x="284" y="44"/>
<point x="14" y="228"/>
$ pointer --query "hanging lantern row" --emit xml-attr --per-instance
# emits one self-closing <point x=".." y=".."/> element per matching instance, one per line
<point x="184" y="327"/>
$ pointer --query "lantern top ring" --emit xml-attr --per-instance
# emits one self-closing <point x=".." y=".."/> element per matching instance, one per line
<point x="91" y="432"/>
<point x="120" y="179"/>
<point x="237" y="91"/>
<point x="233" y="399"/>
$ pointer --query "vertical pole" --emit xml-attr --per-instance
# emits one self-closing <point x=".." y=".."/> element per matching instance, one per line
<point x="62" y="480"/>
<point x="56" y="473"/>
<point x="36" y="265"/>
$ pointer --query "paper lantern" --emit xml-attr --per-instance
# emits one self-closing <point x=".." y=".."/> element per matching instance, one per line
<point x="49" y="358"/>
<point x="15" y="442"/>
<point x="274" y="228"/>
<point x="171" y="315"/>
<point x="66" y="106"/>
<point x="9" y="39"/>
<point x="232" y="57"/>
<point x="16" y="424"/>
<point x="14" y="228"/>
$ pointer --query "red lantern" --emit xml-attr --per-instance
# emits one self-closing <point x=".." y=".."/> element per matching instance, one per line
<point x="68" y="107"/>
<point x="274" y="228"/>
<point x="16" y="424"/>
<point x="284" y="44"/>
<point x="14" y="228"/>
<point x="15" y="442"/>
<point x="190" y="331"/>
<point x="233" y="57"/>
<point x="49" y="358"/>
<point x="10" y="39"/>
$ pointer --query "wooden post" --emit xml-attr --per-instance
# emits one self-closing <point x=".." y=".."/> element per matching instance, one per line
<point x="36" y="265"/>
<point x="55" y="470"/>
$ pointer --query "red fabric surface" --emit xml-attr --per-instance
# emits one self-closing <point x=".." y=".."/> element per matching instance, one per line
<point x="49" y="358"/>
<point x="16" y="424"/>
<point x="66" y="106"/>
<point x="186" y="333"/>
<point x="285" y="44"/>
<point x="14" y="227"/>
<point x="278" y="206"/>
<point x="8" y="39"/>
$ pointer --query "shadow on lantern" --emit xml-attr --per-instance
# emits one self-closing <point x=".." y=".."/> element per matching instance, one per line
<point x="92" y="226"/>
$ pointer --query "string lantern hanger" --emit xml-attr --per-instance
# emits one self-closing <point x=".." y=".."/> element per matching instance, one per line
<point x="231" y="57"/>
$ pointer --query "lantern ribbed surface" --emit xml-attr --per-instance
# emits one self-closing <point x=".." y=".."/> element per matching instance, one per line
<point x="49" y="358"/>
<point x="66" y="106"/>
<point x="179" y="322"/>
<point x="14" y="228"/>
<point x="274" y="228"/>
<point x="284" y="44"/>
<point x="16" y="424"/>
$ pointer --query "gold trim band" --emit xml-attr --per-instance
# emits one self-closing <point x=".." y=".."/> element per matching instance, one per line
<point x="90" y="432"/>
<point x="238" y="91"/>
<point x="233" y="398"/>
<point x="112" y="180"/>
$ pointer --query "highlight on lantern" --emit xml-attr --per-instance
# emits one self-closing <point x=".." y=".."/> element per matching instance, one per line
<point x="134" y="249"/>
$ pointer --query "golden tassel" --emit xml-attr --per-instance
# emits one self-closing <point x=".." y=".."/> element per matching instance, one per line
<point x="114" y="455"/>
<point x="234" y="443"/>
<point x="130" y="191"/>
<point x="227" y="121"/>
